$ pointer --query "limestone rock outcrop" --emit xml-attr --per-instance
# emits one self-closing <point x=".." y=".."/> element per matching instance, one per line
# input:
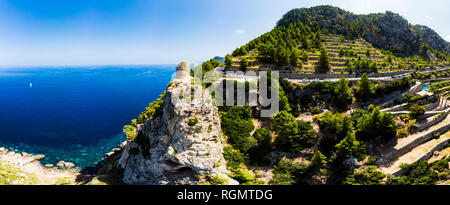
<point x="180" y="145"/>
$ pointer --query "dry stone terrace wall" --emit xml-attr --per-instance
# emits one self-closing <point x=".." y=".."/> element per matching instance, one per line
<point x="416" y="140"/>
<point x="288" y="74"/>
<point x="438" y="119"/>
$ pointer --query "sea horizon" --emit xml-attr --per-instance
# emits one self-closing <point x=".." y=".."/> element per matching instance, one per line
<point x="74" y="113"/>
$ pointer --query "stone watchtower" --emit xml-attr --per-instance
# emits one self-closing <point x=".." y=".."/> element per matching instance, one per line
<point x="182" y="70"/>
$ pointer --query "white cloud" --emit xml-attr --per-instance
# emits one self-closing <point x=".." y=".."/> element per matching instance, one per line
<point x="447" y="38"/>
<point x="428" y="17"/>
<point x="239" y="31"/>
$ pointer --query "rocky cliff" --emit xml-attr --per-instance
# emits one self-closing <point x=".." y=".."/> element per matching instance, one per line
<point x="180" y="146"/>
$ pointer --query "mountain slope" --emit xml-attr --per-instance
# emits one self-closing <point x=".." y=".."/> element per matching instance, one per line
<point x="386" y="30"/>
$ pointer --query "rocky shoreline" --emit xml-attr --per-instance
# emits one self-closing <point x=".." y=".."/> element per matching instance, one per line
<point x="24" y="168"/>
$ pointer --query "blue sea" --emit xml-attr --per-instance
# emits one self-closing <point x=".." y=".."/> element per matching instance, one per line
<point x="74" y="114"/>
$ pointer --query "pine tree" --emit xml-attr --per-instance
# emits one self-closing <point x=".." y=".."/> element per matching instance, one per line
<point x="349" y="146"/>
<point x="341" y="52"/>
<point x="365" y="88"/>
<point x="305" y="43"/>
<point x="343" y="93"/>
<point x="344" y="127"/>
<point x="244" y="64"/>
<point x="324" y="61"/>
<point x="228" y="60"/>
<point x="295" y="55"/>
<point x="318" y="159"/>
<point x="368" y="52"/>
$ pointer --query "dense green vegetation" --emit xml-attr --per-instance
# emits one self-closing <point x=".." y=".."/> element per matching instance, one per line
<point x="234" y="157"/>
<point x="345" y="144"/>
<point x="324" y="62"/>
<point x="365" y="88"/>
<point x="235" y="163"/>
<point x="368" y="176"/>
<point x="258" y="153"/>
<point x="416" y="110"/>
<point x="318" y="159"/>
<point x="280" y="46"/>
<point x="244" y="64"/>
<point x="287" y="172"/>
<point x="361" y="125"/>
<point x="237" y="124"/>
<point x="376" y="124"/>
<point x="292" y="135"/>
<point x="343" y="94"/>
<point x="422" y="173"/>
<point x="349" y="146"/>
<point x="392" y="86"/>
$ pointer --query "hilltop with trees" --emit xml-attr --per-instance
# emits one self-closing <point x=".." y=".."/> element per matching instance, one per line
<point x="327" y="39"/>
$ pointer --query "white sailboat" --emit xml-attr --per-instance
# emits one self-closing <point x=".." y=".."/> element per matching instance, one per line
<point x="31" y="85"/>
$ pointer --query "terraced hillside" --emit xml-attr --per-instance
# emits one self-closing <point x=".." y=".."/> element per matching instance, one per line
<point x="333" y="45"/>
<point x="386" y="30"/>
<point x="296" y="47"/>
<point x="441" y="88"/>
<point x="343" y="54"/>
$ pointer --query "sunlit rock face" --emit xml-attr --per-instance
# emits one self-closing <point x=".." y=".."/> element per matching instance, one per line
<point x="181" y="144"/>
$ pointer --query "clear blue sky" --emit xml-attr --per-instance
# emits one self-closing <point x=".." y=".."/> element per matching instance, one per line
<point x="98" y="32"/>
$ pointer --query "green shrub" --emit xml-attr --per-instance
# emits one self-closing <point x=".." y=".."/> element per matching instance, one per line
<point x="237" y="124"/>
<point x="416" y="110"/>
<point x="292" y="135"/>
<point x="218" y="180"/>
<point x="242" y="176"/>
<point x="233" y="157"/>
<point x="440" y="165"/>
<point x="287" y="172"/>
<point x="365" y="88"/>
<point x="130" y="132"/>
<point x="356" y="114"/>
<point x="329" y="121"/>
<point x="258" y="153"/>
<point x="349" y="146"/>
<point x="365" y="177"/>
<point x="318" y="159"/>
<point x="419" y="173"/>
<point x="193" y="121"/>
<point x="315" y="111"/>
<point x="376" y="124"/>
<point x="344" y="127"/>
<point x="342" y="94"/>
<point x="305" y="138"/>
<point x="372" y="160"/>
